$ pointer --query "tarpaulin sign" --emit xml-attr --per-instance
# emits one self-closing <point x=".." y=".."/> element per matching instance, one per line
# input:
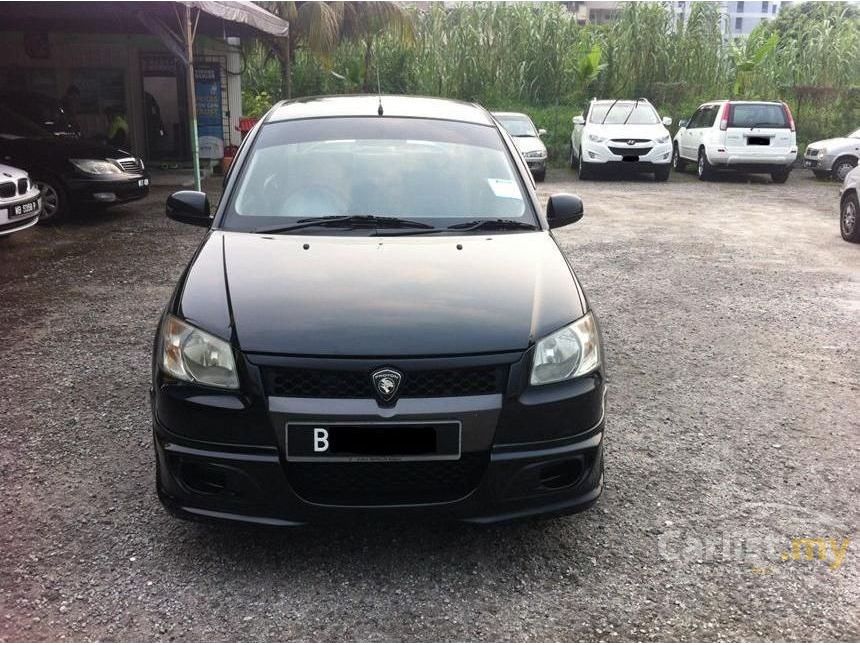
<point x="210" y="129"/>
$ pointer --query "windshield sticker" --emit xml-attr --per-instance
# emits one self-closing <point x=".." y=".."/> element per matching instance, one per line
<point x="504" y="188"/>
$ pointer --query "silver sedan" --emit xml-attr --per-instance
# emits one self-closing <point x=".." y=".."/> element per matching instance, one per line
<point x="833" y="157"/>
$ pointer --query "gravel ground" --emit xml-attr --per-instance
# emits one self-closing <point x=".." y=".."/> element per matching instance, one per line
<point x="730" y="314"/>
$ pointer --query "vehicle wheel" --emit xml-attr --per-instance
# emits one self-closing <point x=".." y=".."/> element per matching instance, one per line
<point x="820" y="174"/>
<point x="849" y="219"/>
<point x="661" y="173"/>
<point x="677" y="163"/>
<point x="584" y="168"/>
<point x="841" y="168"/>
<point x="704" y="169"/>
<point x="572" y="159"/>
<point x="540" y="176"/>
<point x="780" y="177"/>
<point x="55" y="202"/>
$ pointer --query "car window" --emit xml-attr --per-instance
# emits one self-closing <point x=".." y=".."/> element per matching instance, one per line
<point x="518" y="126"/>
<point x="623" y="112"/>
<point x="762" y="115"/>
<point x="708" y="116"/>
<point x="13" y="126"/>
<point x="418" y="169"/>
<point x="694" y="119"/>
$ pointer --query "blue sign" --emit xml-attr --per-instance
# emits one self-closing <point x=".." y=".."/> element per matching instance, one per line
<point x="207" y="87"/>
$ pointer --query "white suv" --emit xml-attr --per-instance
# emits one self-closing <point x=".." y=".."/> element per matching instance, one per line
<point x="626" y="133"/>
<point x="20" y="201"/>
<point x="749" y="136"/>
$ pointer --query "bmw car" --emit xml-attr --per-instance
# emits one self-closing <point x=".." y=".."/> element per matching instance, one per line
<point x="378" y="322"/>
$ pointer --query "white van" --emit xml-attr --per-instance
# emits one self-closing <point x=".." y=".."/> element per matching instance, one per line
<point x="747" y="136"/>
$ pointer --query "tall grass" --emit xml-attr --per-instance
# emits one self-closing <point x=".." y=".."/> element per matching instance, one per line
<point x="530" y="57"/>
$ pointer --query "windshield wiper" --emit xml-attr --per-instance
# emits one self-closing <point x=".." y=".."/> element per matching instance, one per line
<point x="347" y="221"/>
<point x="605" y="116"/>
<point x="493" y="225"/>
<point x="632" y="110"/>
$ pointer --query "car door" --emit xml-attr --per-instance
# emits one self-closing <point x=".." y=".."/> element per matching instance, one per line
<point x="684" y="141"/>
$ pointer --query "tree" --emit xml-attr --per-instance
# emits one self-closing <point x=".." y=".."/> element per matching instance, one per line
<point x="320" y="27"/>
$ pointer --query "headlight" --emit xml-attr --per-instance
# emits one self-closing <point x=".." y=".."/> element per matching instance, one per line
<point x="192" y="355"/>
<point x="140" y="161"/>
<point x="570" y="352"/>
<point x="535" y="154"/>
<point x="96" y="166"/>
<point x="822" y="152"/>
<point x="596" y="138"/>
<point x="663" y="139"/>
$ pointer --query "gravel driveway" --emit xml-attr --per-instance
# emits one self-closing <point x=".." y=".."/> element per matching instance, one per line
<point x="730" y="313"/>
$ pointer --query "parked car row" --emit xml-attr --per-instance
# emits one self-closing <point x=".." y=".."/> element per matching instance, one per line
<point x="68" y="171"/>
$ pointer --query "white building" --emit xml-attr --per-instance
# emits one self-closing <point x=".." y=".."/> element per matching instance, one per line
<point x="741" y="16"/>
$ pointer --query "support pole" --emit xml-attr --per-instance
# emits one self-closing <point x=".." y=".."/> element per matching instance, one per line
<point x="192" y="99"/>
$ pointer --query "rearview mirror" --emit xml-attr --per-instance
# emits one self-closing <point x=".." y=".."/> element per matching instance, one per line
<point x="541" y="132"/>
<point x="578" y="120"/>
<point x="563" y="209"/>
<point x="189" y="207"/>
<point x="667" y="120"/>
<point x="683" y="123"/>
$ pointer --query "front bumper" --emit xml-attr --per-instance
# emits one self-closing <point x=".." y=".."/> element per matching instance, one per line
<point x="536" y="164"/>
<point x="108" y="190"/>
<point x="820" y="163"/>
<point x="617" y="153"/>
<point x="9" y="223"/>
<point x="538" y="452"/>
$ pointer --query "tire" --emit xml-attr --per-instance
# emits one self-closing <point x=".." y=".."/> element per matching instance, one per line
<point x="678" y="164"/>
<point x="841" y="168"/>
<point x="540" y="176"/>
<point x="584" y="169"/>
<point x="704" y="169"/>
<point x="661" y="173"/>
<point x="55" y="200"/>
<point x="849" y="218"/>
<point x="780" y="176"/>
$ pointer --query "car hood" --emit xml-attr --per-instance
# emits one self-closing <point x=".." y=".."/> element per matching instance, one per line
<point x="529" y="144"/>
<point x="622" y="131"/>
<point x="371" y="296"/>
<point x="68" y="148"/>
<point x="836" y="142"/>
<point x="8" y="172"/>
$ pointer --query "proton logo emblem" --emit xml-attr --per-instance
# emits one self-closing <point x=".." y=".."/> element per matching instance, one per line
<point x="386" y="381"/>
<point x="631" y="142"/>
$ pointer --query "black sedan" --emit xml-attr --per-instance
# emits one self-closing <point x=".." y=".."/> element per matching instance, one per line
<point x="71" y="173"/>
<point x="378" y="321"/>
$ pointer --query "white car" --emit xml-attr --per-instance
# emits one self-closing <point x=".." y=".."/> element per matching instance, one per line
<point x="747" y="136"/>
<point x="20" y="201"/>
<point x="849" y="207"/>
<point x="626" y="133"/>
<point x="527" y="139"/>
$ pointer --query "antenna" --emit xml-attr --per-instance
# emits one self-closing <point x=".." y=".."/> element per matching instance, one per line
<point x="379" y="92"/>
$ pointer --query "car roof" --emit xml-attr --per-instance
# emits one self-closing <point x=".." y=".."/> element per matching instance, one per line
<point x="421" y="107"/>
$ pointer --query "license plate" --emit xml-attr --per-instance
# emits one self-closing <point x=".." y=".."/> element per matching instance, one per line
<point x="142" y="182"/>
<point x="395" y="441"/>
<point x="25" y="209"/>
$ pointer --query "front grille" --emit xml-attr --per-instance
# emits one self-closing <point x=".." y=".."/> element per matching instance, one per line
<point x="357" y="384"/>
<point x="7" y="189"/>
<point x="811" y="152"/>
<point x="628" y="152"/>
<point x="634" y="141"/>
<point x="382" y="483"/>
<point x="129" y="164"/>
<point x="23" y="186"/>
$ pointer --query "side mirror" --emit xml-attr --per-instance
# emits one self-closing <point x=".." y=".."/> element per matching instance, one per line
<point x="189" y="207"/>
<point x="541" y="132"/>
<point x="682" y="123"/>
<point x="667" y="121"/>
<point x="563" y="209"/>
<point x="578" y="120"/>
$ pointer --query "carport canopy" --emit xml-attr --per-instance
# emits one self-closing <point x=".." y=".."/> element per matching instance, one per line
<point x="176" y="24"/>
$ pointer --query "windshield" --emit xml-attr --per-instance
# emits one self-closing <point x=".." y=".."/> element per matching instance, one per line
<point x="518" y="126"/>
<point x="437" y="172"/>
<point x="13" y="126"/>
<point x="854" y="135"/>
<point x="629" y="112"/>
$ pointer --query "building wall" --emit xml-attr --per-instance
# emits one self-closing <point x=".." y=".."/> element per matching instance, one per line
<point x="58" y="60"/>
